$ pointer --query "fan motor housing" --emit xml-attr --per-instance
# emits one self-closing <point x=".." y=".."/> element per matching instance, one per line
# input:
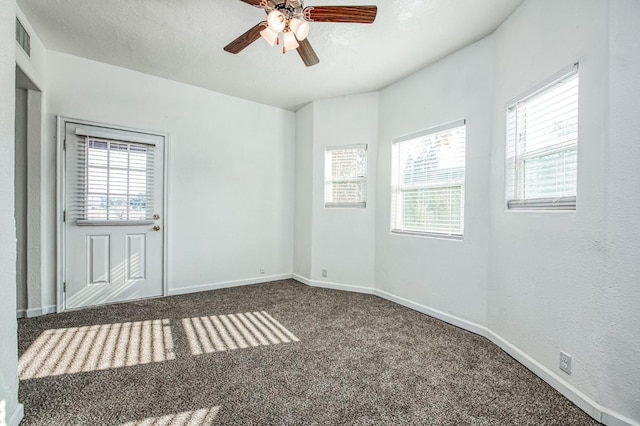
<point x="287" y="8"/>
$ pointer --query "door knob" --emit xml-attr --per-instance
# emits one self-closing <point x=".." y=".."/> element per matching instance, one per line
<point x="156" y="216"/>
<point x="156" y="227"/>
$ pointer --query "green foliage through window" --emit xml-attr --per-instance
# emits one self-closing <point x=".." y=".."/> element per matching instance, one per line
<point x="428" y="173"/>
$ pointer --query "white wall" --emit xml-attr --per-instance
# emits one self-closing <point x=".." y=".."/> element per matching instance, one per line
<point x="20" y="184"/>
<point x="340" y="240"/>
<point x="28" y="197"/>
<point x="446" y="275"/>
<point x="343" y="238"/>
<point x="230" y="167"/>
<point x="303" y="191"/>
<point x="547" y="268"/>
<point x="35" y="219"/>
<point x="10" y="410"/>
<point x="619" y="378"/>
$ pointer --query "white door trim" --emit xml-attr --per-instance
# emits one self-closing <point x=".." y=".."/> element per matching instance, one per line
<point x="60" y="201"/>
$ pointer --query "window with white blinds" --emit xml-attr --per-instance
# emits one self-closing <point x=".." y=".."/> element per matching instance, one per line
<point x="345" y="176"/>
<point x="115" y="181"/>
<point x="427" y="187"/>
<point x="542" y="142"/>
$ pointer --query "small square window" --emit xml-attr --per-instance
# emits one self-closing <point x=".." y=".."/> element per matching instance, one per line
<point x="345" y="176"/>
<point x="542" y="143"/>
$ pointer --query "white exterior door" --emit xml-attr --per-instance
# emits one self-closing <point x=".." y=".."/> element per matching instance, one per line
<point x="113" y="215"/>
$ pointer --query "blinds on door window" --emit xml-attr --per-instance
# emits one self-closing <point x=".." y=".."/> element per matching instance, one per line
<point x="115" y="181"/>
<point x="542" y="142"/>
<point x="427" y="188"/>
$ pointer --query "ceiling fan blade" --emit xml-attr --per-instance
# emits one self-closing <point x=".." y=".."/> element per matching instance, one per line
<point x="348" y="14"/>
<point x="307" y="53"/>
<point x="256" y="3"/>
<point x="237" y="45"/>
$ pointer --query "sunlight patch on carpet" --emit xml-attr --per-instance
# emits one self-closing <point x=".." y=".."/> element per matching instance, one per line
<point x="234" y="331"/>
<point x="97" y="347"/>
<point x="204" y="417"/>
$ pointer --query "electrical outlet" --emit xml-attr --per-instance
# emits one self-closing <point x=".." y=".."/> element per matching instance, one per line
<point x="324" y="272"/>
<point x="565" y="362"/>
<point x="262" y="269"/>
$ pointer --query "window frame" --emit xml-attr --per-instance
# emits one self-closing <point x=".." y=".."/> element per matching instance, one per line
<point x="430" y="234"/>
<point x="514" y="170"/>
<point x="81" y="214"/>
<point x="363" y="179"/>
<point x="23" y="38"/>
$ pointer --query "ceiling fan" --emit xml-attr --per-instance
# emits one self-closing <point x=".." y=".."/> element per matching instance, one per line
<point x="287" y="24"/>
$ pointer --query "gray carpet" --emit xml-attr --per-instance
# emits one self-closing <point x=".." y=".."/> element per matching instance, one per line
<point x="306" y="356"/>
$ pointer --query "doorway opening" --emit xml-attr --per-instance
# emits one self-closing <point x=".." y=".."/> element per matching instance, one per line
<point x="28" y="196"/>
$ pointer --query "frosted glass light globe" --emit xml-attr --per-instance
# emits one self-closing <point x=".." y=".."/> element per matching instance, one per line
<point x="269" y="36"/>
<point x="276" y="21"/>
<point x="290" y="41"/>
<point x="300" y="28"/>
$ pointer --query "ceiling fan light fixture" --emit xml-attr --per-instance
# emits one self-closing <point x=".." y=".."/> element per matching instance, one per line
<point x="300" y="28"/>
<point x="277" y="21"/>
<point x="287" y="25"/>
<point x="269" y="36"/>
<point x="290" y="41"/>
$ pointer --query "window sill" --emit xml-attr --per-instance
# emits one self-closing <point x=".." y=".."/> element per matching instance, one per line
<point x="433" y="235"/>
<point x="345" y="205"/>
<point x="114" y="222"/>
<point x="542" y="204"/>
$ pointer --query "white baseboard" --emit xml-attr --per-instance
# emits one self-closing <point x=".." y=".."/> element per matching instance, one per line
<point x="332" y="285"/>
<point x="16" y="417"/>
<point x="226" y="284"/>
<point x="611" y="418"/>
<point x="36" y="312"/>
<point x="588" y="405"/>
<point x="585" y="403"/>
<point x="448" y="318"/>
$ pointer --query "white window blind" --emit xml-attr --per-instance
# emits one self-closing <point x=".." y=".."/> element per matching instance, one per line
<point x="115" y="181"/>
<point x="542" y="141"/>
<point x="427" y="188"/>
<point x="346" y="176"/>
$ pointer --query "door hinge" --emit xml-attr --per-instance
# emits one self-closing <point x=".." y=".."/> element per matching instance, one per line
<point x="64" y="215"/>
<point x="64" y="287"/>
<point x="64" y="144"/>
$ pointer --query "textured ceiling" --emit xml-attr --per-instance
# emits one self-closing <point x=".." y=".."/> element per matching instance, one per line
<point x="183" y="41"/>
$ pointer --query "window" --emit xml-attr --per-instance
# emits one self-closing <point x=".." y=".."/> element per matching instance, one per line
<point x="427" y="188"/>
<point x="23" y="38"/>
<point x="116" y="181"/>
<point x="542" y="142"/>
<point x="345" y="171"/>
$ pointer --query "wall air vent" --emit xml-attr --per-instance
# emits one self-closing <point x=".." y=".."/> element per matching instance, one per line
<point x="23" y="38"/>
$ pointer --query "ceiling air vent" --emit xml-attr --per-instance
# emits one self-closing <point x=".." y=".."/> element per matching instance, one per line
<point x="23" y="38"/>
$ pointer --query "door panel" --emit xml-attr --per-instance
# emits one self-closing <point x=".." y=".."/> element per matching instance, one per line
<point x="99" y="259"/>
<point x="136" y="253"/>
<point x="114" y="215"/>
